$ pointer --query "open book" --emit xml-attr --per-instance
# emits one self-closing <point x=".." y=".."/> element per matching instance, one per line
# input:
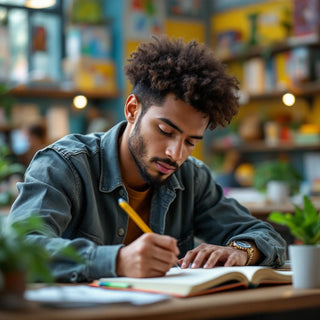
<point x="190" y="282"/>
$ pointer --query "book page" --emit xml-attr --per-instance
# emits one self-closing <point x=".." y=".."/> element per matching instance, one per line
<point x="186" y="282"/>
<point x="183" y="281"/>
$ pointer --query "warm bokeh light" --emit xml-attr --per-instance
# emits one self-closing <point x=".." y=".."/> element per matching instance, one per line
<point x="288" y="99"/>
<point x="39" y="4"/>
<point x="80" y="101"/>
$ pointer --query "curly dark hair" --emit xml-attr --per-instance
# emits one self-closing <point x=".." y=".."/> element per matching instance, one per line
<point x="189" y="71"/>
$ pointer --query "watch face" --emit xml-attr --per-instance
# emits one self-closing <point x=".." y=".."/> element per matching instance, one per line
<point x="242" y="244"/>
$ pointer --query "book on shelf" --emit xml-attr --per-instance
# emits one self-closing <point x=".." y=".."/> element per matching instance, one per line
<point x="192" y="282"/>
<point x="306" y="17"/>
<point x="254" y="76"/>
<point x="281" y="70"/>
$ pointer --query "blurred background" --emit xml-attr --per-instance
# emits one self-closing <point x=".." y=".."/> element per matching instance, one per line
<point x="61" y="72"/>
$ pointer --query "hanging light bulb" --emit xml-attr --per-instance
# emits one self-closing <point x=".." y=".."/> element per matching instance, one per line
<point x="80" y="101"/>
<point x="39" y="4"/>
<point x="288" y="99"/>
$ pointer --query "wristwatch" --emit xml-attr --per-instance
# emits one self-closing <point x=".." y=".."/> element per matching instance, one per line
<point x="244" y="246"/>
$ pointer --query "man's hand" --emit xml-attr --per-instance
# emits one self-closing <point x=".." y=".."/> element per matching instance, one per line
<point x="208" y="256"/>
<point x="151" y="255"/>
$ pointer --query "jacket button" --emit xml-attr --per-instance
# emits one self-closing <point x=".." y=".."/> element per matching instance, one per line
<point x="74" y="277"/>
<point x="121" y="232"/>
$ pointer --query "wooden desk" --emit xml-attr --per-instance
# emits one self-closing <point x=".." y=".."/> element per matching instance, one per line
<point x="276" y="302"/>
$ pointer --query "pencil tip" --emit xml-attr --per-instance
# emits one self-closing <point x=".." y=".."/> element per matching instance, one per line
<point x="120" y="200"/>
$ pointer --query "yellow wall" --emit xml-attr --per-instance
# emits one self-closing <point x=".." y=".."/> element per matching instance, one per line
<point x="188" y="30"/>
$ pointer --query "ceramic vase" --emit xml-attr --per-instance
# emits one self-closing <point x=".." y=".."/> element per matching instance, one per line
<point x="278" y="191"/>
<point x="305" y="264"/>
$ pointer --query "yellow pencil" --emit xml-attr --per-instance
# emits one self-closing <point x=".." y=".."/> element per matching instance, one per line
<point x="134" y="216"/>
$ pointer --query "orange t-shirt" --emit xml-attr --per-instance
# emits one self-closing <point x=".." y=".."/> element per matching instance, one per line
<point x="140" y="201"/>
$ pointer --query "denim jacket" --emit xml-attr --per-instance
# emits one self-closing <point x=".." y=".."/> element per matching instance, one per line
<point x="75" y="183"/>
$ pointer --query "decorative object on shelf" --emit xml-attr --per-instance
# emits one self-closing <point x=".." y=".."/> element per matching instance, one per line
<point x="271" y="133"/>
<point x="270" y="172"/>
<point x="306" y="18"/>
<point x="253" y="20"/>
<point x="228" y="43"/>
<point x="87" y="11"/>
<point x="193" y="9"/>
<point x="304" y="224"/>
<point x="98" y="75"/>
<point x="250" y="128"/>
<point x="144" y="18"/>
<point x="22" y="260"/>
<point x="286" y="21"/>
<point x="278" y="191"/>
<point x="244" y="174"/>
<point x="308" y="134"/>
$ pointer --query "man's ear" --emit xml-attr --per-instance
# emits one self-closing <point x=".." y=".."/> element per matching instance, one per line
<point x="132" y="108"/>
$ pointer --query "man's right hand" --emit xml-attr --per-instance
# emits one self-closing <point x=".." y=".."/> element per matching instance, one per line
<point x="151" y="255"/>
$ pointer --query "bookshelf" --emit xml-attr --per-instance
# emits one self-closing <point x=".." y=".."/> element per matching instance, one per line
<point x="247" y="52"/>
<point x="261" y="146"/>
<point x="279" y="62"/>
<point x="59" y="93"/>
<point x="257" y="65"/>
<point x="257" y="150"/>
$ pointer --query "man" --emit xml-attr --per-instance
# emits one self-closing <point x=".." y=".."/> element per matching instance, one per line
<point x="179" y="90"/>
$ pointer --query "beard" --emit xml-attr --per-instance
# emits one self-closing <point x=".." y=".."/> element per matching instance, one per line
<point x="138" y="150"/>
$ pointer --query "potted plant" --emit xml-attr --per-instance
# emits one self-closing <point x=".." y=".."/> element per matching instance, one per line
<point x="23" y="261"/>
<point x="304" y="225"/>
<point x="278" y="179"/>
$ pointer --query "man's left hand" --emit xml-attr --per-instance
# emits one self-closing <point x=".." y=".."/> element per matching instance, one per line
<point x="208" y="256"/>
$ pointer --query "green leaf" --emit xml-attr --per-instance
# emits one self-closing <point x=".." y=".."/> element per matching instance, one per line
<point x="310" y="211"/>
<point x="278" y="171"/>
<point x="18" y="252"/>
<point x="304" y="223"/>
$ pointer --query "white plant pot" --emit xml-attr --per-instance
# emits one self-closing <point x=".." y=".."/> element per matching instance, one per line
<point x="278" y="191"/>
<point x="305" y="264"/>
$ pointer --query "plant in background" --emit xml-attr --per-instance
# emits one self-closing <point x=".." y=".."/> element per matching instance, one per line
<point x="18" y="254"/>
<point x="7" y="169"/>
<point x="304" y="224"/>
<point x="276" y="171"/>
<point x="6" y="99"/>
<point x="7" y="166"/>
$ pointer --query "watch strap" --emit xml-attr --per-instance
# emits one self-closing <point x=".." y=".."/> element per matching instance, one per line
<point x="249" y="250"/>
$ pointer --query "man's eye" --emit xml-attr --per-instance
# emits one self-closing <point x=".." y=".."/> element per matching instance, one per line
<point x="190" y="143"/>
<point x="165" y="132"/>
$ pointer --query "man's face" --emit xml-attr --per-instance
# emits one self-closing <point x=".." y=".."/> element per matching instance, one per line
<point x="163" y="138"/>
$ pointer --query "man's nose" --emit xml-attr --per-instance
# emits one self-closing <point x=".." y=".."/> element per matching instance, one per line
<point x="175" y="150"/>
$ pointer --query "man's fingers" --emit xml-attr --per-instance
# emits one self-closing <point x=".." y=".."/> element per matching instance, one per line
<point x="213" y="259"/>
<point x="163" y="241"/>
<point x="209" y="256"/>
<point x="164" y="256"/>
<point x="149" y="256"/>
